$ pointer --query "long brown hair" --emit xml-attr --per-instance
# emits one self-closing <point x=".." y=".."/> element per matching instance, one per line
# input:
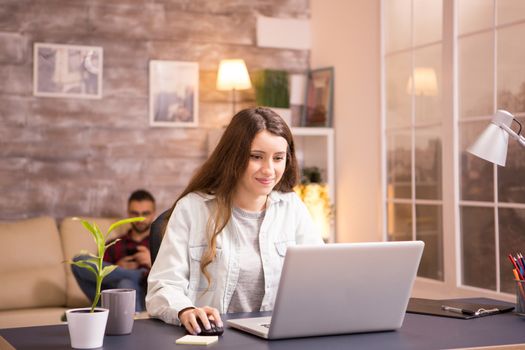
<point x="222" y="170"/>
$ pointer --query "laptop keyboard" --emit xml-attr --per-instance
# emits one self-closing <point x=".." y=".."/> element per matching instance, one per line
<point x="266" y="325"/>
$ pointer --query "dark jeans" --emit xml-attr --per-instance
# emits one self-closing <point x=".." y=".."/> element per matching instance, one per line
<point x="119" y="278"/>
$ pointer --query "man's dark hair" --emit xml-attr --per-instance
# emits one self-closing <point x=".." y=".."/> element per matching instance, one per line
<point x="141" y="195"/>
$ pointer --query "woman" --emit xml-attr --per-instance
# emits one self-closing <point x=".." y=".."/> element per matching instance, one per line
<point x="226" y="238"/>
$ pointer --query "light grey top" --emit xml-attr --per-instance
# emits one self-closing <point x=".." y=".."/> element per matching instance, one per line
<point x="249" y="292"/>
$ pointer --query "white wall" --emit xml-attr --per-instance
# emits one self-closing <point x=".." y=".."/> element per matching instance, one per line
<point x="346" y="35"/>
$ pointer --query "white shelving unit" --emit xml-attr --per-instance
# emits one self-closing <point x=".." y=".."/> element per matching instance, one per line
<point x="315" y="147"/>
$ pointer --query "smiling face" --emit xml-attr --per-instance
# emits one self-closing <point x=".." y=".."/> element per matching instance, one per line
<point x="265" y="168"/>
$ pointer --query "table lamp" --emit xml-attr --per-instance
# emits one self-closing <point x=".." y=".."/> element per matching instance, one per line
<point x="233" y="75"/>
<point x="423" y="82"/>
<point x="492" y="144"/>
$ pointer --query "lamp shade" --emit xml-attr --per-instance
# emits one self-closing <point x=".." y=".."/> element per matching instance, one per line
<point x="492" y="144"/>
<point x="423" y="82"/>
<point x="233" y="74"/>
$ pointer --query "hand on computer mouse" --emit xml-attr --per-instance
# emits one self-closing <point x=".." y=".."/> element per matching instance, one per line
<point x="214" y="329"/>
<point x="192" y="318"/>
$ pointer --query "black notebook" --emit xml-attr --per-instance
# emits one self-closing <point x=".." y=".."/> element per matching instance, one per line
<point x="456" y="308"/>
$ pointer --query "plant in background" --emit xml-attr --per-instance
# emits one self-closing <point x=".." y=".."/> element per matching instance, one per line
<point x="271" y="88"/>
<point x="311" y="175"/>
<point x="94" y="262"/>
<point x="315" y="196"/>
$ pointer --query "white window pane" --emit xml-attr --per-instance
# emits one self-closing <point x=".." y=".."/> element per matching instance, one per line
<point x="477" y="175"/>
<point x="399" y="164"/>
<point x="397" y="15"/>
<point x="428" y="21"/>
<point x="510" y="10"/>
<point x="474" y="15"/>
<point x="399" y="222"/>
<point x="428" y="163"/>
<point x="511" y="184"/>
<point x="427" y="84"/>
<point x="511" y="69"/>
<point x="511" y="230"/>
<point x="477" y="247"/>
<point x="476" y="77"/>
<point x="429" y="229"/>
<point x="398" y="100"/>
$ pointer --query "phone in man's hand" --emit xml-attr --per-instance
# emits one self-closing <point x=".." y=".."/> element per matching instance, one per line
<point x="131" y="251"/>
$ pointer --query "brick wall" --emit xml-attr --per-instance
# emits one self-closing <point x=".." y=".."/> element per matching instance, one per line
<point x="69" y="156"/>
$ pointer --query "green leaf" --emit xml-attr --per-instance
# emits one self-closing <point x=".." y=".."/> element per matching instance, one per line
<point x="85" y="252"/>
<point x="98" y="233"/>
<point x="86" y="224"/>
<point x="107" y="270"/>
<point x="123" y="222"/>
<point x="100" y="240"/>
<point x="84" y="265"/>
<point x="90" y="228"/>
<point x="110" y="244"/>
<point x="93" y="260"/>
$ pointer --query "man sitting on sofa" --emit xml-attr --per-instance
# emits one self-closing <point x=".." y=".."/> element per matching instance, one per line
<point x="130" y="253"/>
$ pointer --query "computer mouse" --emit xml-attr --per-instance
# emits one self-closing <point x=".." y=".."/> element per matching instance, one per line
<point x="214" y="329"/>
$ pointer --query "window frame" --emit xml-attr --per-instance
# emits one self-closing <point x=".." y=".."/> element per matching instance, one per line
<point x="451" y="286"/>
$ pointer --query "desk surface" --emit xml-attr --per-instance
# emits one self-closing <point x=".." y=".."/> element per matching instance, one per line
<point x="417" y="332"/>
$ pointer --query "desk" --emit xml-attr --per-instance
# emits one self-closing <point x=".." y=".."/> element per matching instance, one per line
<point x="418" y="332"/>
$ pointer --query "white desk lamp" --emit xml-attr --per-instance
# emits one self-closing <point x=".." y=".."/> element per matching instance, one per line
<point x="492" y="144"/>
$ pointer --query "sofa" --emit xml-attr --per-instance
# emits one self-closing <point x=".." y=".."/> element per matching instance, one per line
<point x="37" y="283"/>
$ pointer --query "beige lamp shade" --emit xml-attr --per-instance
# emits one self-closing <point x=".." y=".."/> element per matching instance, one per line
<point x="233" y="75"/>
<point x="423" y="82"/>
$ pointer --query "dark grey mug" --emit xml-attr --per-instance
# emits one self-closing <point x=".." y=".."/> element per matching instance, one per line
<point x="121" y="305"/>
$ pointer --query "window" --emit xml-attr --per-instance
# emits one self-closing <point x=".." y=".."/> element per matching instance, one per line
<point x="491" y="75"/>
<point x="413" y="127"/>
<point x="434" y="190"/>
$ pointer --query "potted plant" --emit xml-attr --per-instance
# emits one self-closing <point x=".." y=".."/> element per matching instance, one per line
<point x="86" y="325"/>
<point x="271" y="90"/>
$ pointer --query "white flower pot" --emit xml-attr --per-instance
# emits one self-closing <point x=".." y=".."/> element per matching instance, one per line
<point x="86" y="329"/>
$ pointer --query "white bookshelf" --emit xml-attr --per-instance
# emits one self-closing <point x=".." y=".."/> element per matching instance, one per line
<point x="315" y="147"/>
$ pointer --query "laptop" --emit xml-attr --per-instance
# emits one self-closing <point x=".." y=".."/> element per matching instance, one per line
<point x="338" y="289"/>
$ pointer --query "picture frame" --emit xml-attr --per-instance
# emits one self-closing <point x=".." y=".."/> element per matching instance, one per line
<point x="319" y="98"/>
<point x="173" y="93"/>
<point x="72" y="71"/>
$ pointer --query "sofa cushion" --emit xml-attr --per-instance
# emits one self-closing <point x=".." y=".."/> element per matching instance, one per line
<point x="31" y="317"/>
<point x="76" y="238"/>
<point x="31" y="264"/>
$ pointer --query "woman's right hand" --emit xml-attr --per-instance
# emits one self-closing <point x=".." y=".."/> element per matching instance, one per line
<point x="188" y="318"/>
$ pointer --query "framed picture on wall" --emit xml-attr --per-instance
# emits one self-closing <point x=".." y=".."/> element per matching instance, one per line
<point x="173" y="93"/>
<point x="67" y="70"/>
<point x="318" y="107"/>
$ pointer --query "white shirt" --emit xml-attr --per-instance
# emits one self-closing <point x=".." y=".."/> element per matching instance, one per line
<point x="175" y="281"/>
